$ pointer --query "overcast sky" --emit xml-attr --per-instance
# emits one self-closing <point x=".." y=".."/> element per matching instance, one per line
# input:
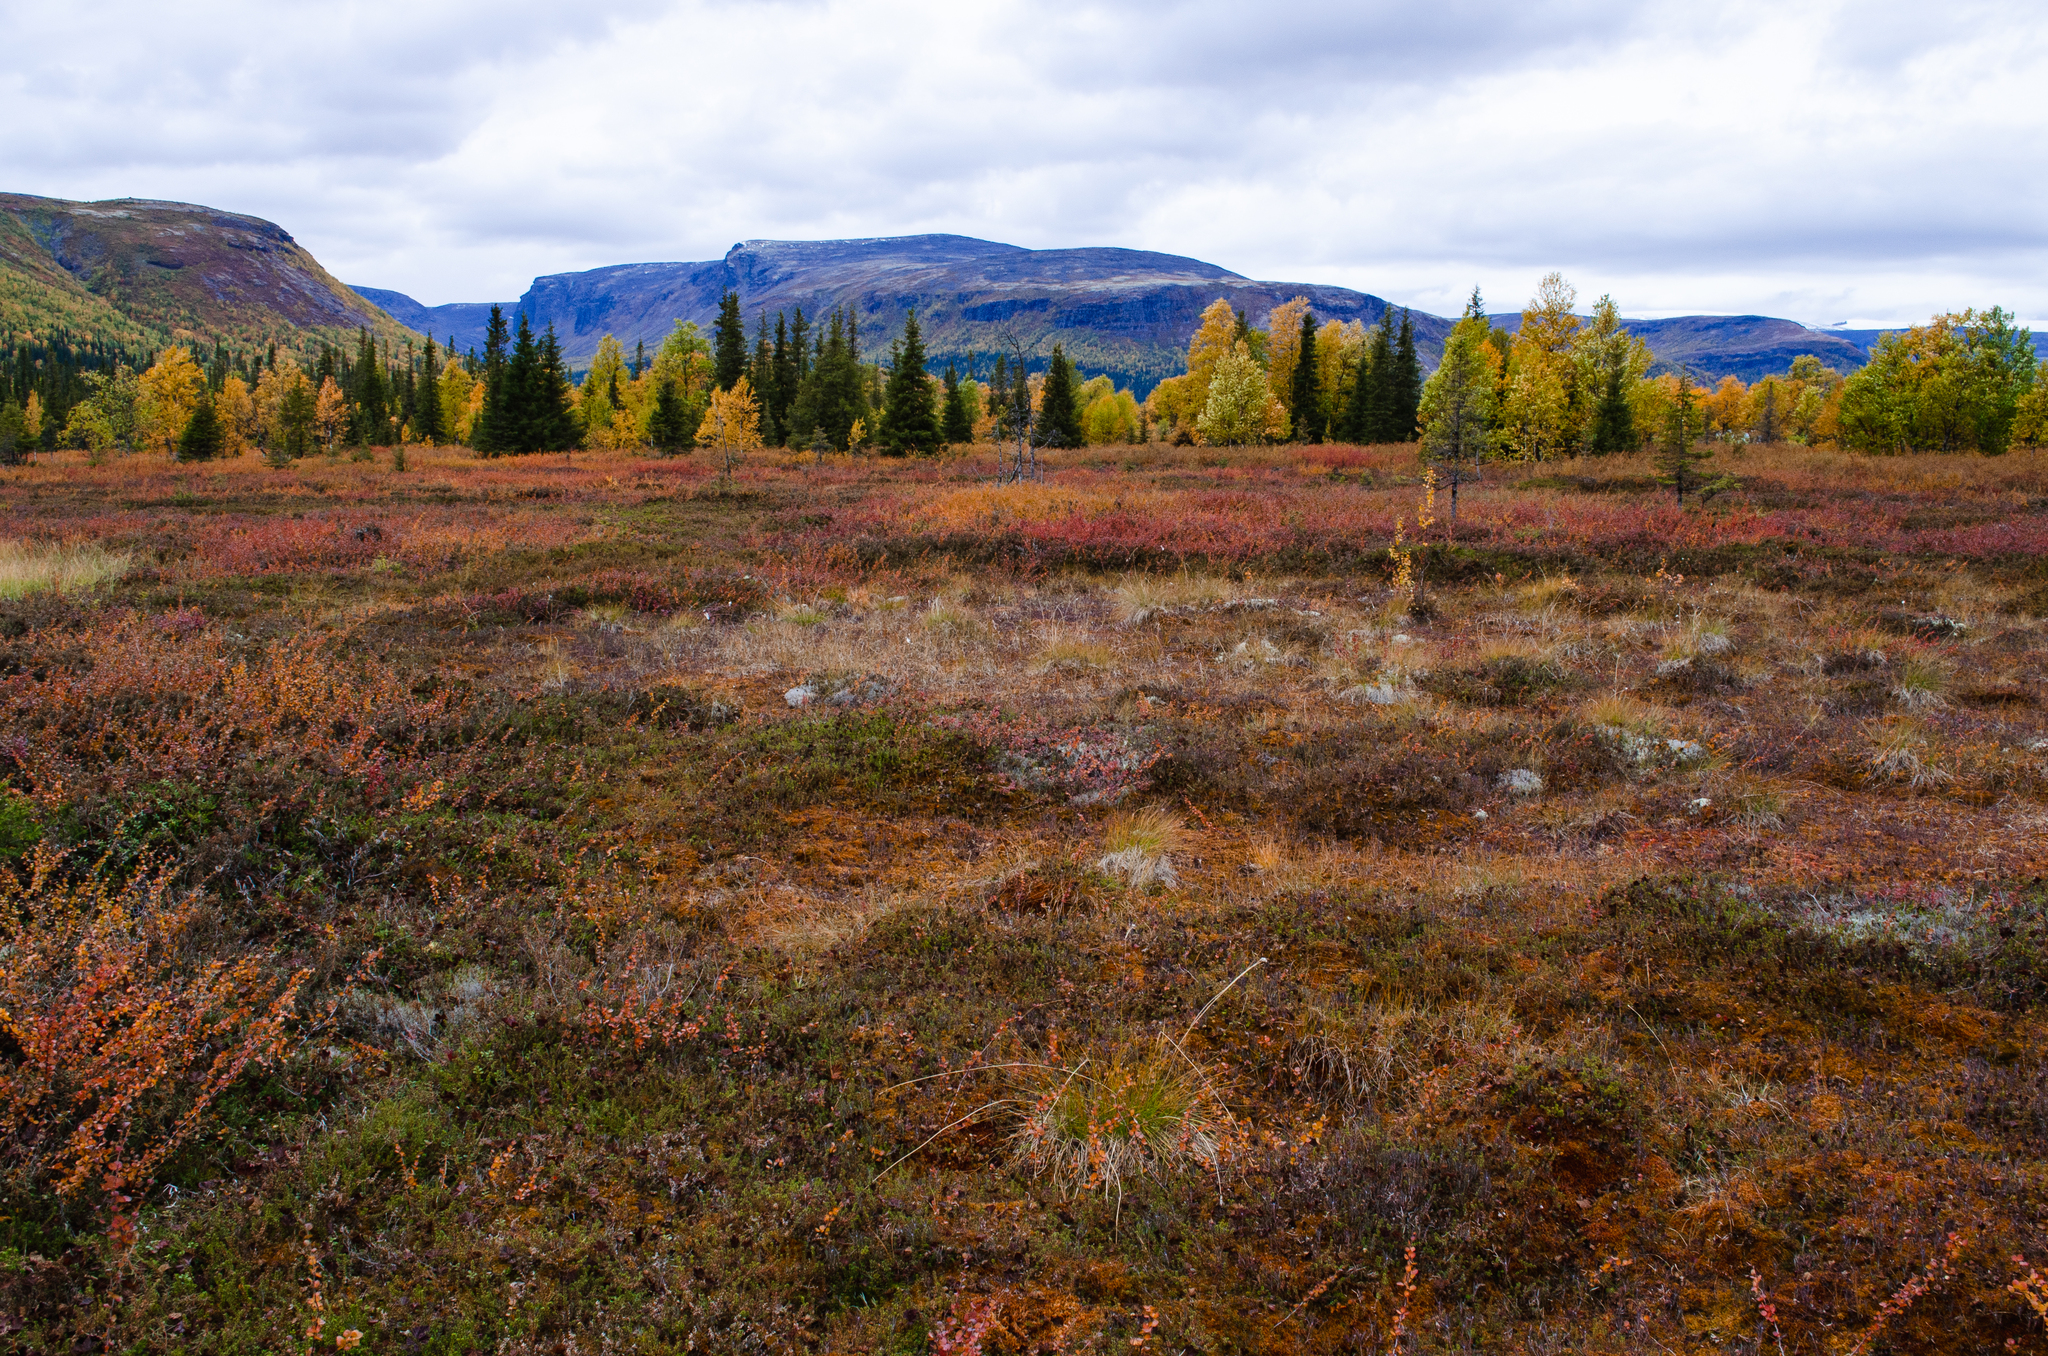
<point x="1868" y="163"/>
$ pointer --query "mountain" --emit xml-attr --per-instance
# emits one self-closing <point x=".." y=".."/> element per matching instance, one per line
<point x="1710" y="347"/>
<point x="1127" y="313"/>
<point x="142" y="273"/>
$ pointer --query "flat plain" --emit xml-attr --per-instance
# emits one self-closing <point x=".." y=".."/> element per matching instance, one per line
<point x="864" y="905"/>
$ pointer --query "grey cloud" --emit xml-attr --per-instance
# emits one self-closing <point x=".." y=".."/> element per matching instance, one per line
<point x="1739" y="155"/>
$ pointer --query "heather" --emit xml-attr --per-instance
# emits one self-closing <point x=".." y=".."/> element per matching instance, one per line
<point x="1196" y="899"/>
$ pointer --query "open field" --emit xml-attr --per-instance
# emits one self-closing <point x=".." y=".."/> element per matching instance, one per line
<point x="577" y="904"/>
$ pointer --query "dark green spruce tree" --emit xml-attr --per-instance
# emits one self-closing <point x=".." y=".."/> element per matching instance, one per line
<point x="668" y="425"/>
<point x="1404" y="395"/>
<point x="1614" y="425"/>
<point x="1307" y="395"/>
<point x="728" y="342"/>
<point x="492" y="435"/>
<point x="554" y="411"/>
<point x="1365" y="414"/>
<point x="1059" y="413"/>
<point x="761" y="373"/>
<point x="372" y="399"/>
<point x="783" y="364"/>
<point x="522" y="389"/>
<point x="426" y="423"/>
<point x="910" y="418"/>
<point x="958" y="426"/>
<point x="203" y="438"/>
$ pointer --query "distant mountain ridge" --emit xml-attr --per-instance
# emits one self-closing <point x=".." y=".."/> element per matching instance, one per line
<point x="1124" y="312"/>
<point x="1128" y="313"/>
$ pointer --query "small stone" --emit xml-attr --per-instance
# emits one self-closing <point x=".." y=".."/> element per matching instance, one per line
<point x="1684" y="750"/>
<point x="801" y="696"/>
<point x="1403" y="638"/>
<point x="1520" y="781"/>
<point x="1479" y="814"/>
<point x="1373" y="694"/>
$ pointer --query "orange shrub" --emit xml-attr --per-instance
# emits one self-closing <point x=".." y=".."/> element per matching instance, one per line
<point x="122" y="1036"/>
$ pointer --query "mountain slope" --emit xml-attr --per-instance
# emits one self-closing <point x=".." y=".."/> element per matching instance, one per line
<point x="147" y="271"/>
<point x="1125" y="312"/>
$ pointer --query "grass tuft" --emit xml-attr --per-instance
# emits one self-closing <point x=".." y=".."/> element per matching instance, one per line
<point x="41" y="567"/>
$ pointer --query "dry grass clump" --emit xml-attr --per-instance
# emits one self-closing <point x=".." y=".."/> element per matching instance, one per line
<point x="1139" y="598"/>
<point x="1921" y="683"/>
<point x="1146" y="1111"/>
<point x="44" y="567"/>
<point x="1629" y="715"/>
<point x="1139" y="845"/>
<point x="1365" y="1054"/>
<point x="1898" y="755"/>
<point x="942" y="617"/>
<point x="1697" y="637"/>
<point x="800" y="614"/>
<point x="1546" y="593"/>
<point x="1066" y="652"/>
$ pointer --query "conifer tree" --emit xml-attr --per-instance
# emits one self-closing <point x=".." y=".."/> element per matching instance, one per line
<point x="1059" y="414"/>
<point x="1614" y="428"/>
<point x="762" y="375"/>
<point x="493" y="432"/>
<point x="910" y="423"/>
<point x="959" y="426"/>
<point x="1680" y="451"/>
<point x="407" y="392"/>
<point x="372" y="401"/>
<point x="1457" y="409"/>
<point x="426" y="420"/>
<point x="1404" y="394"/>
<point x="728" y="343"/>
<point x="554" y="412"/>
<point x="1365" y="413"/>
<point x="1306" y="395"/>
<point x="522" y="390"/>
<point x="203" y="438"/>
<point x="668" y="426"/>
<point x="784" y="370"/>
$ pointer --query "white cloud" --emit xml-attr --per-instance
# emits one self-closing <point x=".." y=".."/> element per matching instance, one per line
<point x="1869" y="162"/>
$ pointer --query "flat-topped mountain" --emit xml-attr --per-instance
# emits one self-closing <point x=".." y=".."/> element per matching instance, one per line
<point x="1125" y="312"/>
<point x="1128" y="313"/>
<point x="138" y="272"/>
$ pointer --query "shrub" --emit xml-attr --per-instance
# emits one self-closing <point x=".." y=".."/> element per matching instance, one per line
<point x="123" y="1034"/>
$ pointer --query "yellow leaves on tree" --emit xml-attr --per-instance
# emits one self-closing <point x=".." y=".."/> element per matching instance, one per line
<point x="1241" y="407"/>
<point x="1181" y="400"/>
<point x="237" y="410"/>
<point x="330" y="412"/>
<point x="125" y="1033"/>
<point x="1283" y="347"/>
<point x="732" y="425"/>
<point x="271" y="389"/>
<point x="169" y="391"/>
<point x="461" y="397"/>
<point x="606" y="401"/>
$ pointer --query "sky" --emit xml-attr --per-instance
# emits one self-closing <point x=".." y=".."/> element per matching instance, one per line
<point x="1869" y="163"/>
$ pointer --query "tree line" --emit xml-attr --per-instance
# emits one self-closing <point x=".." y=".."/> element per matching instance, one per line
<point x="1557" y="385"/>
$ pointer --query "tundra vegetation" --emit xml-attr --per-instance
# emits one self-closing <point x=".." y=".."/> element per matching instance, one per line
<point x="1204" y="897"/>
